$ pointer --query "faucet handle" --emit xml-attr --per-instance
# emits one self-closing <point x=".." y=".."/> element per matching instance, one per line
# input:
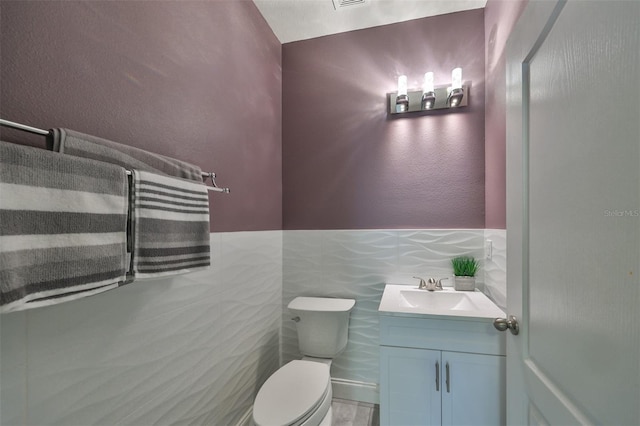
<point x="423" y="283"/>
<point x="439" y="283"/>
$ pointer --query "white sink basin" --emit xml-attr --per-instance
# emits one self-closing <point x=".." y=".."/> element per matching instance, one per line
<point x="405" y="299"/>
<point x="437" y="300"/>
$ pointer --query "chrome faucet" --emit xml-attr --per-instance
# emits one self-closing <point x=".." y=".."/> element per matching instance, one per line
<point x="431" y="284"/>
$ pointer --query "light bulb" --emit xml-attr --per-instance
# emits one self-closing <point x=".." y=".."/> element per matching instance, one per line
<point x="427" y="86"/>
<point x="456" y="78"/>
<point x="402" y="85"/>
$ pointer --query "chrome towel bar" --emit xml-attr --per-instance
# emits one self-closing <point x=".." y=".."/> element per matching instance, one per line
<point x="35" y="130"/>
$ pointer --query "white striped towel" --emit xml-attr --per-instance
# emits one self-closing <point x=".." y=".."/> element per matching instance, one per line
<point x="171" y="225"/>
<point x="63" y="223"/>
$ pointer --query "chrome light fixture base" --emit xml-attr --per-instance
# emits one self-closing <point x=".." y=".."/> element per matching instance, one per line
<point x="414" y="101"/>
<point x="455" y="98"/>
<point x="428" y="100"/>
<point x="402" y="103"/>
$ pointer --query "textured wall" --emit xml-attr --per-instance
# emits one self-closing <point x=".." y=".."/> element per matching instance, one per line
<point x="195" y="80"/>
<point x="199" y="81"/>
<point x="357" y="264"/>
<point x="500" y="17"/>
<point x="347" y="164"/>
<point x="193" y="349"/>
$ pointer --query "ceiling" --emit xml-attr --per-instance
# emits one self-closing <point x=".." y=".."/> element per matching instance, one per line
<point x="293" y="20"/>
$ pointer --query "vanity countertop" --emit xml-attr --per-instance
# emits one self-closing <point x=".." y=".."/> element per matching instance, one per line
<point x="408" y="300"/>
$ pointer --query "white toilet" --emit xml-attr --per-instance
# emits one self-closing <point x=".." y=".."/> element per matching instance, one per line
<point x="299" y="393"/>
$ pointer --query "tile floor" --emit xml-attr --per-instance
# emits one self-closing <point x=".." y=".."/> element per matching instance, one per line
<point x="354" y="413"/>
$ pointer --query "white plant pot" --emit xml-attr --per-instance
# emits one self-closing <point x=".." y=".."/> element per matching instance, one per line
<point x="464" y="283"/>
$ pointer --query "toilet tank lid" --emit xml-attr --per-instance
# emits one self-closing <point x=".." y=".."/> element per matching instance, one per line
<point x="324" y="304"/>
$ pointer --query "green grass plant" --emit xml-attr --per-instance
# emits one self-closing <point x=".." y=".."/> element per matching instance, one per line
<point x="464" y="266"/>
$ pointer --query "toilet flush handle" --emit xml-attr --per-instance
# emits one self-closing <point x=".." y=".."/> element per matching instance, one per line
<point x="296" y="319"/>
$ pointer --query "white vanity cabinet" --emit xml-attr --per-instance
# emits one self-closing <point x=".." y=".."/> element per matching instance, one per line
<point x="437" y="371"/>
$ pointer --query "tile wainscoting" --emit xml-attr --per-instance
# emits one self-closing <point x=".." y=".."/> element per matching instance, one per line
<point x="192" y="349"/>
<point x="495" y="269"/>
<point x="357" y="264"/>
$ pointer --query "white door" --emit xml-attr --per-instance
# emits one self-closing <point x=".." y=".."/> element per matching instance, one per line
<point x="573" y="213"/>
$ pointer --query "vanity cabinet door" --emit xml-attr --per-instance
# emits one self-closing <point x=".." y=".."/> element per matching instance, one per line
<point x="473" y="391"/>
<point x="410" y="388"/>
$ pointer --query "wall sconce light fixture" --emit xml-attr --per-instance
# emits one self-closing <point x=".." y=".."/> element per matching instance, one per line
<point x="430" y="98"/>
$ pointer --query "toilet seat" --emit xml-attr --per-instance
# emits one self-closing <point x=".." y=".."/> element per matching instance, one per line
<point x="293" y="394"/>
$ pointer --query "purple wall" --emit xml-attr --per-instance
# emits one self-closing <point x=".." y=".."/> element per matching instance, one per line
<point x="347" y="164"/>
<point x="199" y="81"/>
<point x="500" y="17"/>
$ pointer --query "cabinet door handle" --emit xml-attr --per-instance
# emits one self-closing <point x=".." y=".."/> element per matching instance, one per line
<point x="437" y="376"/>
<point x="447" y="373"/>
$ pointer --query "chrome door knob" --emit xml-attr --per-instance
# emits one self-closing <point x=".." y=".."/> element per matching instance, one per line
<point x="512" y="324"/>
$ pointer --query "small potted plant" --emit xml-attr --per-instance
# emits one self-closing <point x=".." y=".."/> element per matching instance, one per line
<point x="464" y="269"/>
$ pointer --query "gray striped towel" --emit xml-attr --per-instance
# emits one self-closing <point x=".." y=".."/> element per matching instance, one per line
<point x="70" y="142"/>
<point x="63" y="224"/>
<point x="171" y="225"/>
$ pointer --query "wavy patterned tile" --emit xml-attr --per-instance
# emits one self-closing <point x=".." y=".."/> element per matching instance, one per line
<point x="495" y="271"/>
<point x="195" y="349"/>
<point x="13" y="367"/>
<point x="357" y="264"/>
<point x="302" y="262"/>
<point x="98" y="363"/>
<point x="192" y="349"/>
<point x="428" y="252"/>
<point x="360" y="359"/>
<point x="355" y="257"/>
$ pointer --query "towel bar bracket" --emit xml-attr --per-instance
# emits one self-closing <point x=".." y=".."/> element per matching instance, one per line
<point x="212" y="176"/>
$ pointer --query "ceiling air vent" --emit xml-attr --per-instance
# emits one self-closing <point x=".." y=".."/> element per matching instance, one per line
<point x="340" y="4"/>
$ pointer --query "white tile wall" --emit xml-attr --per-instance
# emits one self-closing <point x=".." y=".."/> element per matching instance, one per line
<point x="357" y="264"/>
<point x="192" y="349"/>
<point x="13" y="368"/>
<point x="495" y="270"/>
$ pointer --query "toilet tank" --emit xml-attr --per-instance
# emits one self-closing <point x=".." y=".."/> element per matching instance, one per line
<point x="323" y="325"/>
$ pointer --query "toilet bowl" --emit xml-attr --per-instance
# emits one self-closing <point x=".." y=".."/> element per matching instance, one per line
<point x="299" y="393"/>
